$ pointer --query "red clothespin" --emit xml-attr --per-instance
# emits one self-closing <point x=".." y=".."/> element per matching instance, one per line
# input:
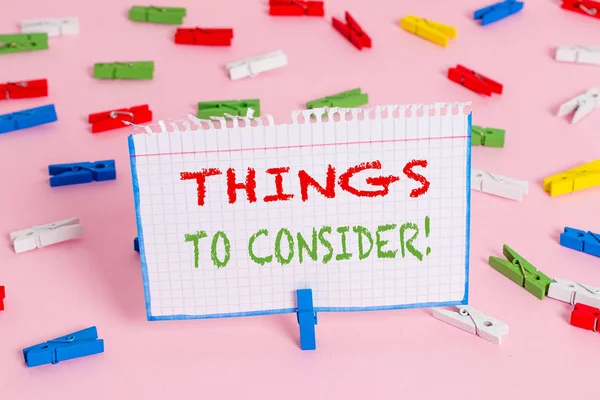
<point x="474" y="81"/>
<point x="24" y="89"/>
<point x="585" y="7"/>
<point x="586" y="317"/>
<point x="2" y="295"/>
<point x="296" y="7"/>
<point x="352" y="31"/>
<point x="204" y="36"/>
<point x="114" y="119"/>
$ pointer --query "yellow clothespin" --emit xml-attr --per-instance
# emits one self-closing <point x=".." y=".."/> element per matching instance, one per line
<point x="583" y="177"/>
<point x="430" y="30"/>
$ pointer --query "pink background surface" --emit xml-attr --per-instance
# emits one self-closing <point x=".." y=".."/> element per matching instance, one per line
<point x="396" y="354"/>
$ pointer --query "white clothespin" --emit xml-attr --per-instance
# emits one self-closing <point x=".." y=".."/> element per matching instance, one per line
<point x="45" y="235"/>
<point x="498" y="185"/>
<point x="255" y="65"/>
<point x="53" y="27"/>
<point x="573" y="292"/>
<point x="582" y="105"/>
<point x="473" y="321"/>
<point x="578" y="54"/>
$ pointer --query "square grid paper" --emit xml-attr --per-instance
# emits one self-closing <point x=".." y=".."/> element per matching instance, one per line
<point x="167" y="209"/>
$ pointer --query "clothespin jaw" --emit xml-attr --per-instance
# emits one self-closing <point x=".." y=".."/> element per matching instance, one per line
<point x="586" y="242"/>
<point x="347" y="99"/>
<point x="307" y="319"/>
<point x="24" y="89"/>
<point x="497" y="11"/>
<point x="84" y="172"/>
<point x="473" y="321"/>
<point x="585" y="7"/>
<point x="204" y="36"/>
<point x="136" y="244"/>
<point x="586" y="317"/>
<point x="52" y="26"/>
<point x="352" y="32"/>
<point x="489" y="137"/>
<point x="45" y="235"/>
<point x="474" y="81"/>
<point x="75" y="345"/>
<point x="430" y="30"/>
<point x="521" y="272"/>
<point x="160" y="15"/>
<point x="27" y="118"/>
<point x="208" y="109"/>
<point x="19" y="43"/>
<point x="115" y="119"/>
<point x="2" y="297"/>
<point x="296" y="8"/>
<point x="582" y="105"/>
<point x="124" y="70"/>
<point x="583" y="177"/>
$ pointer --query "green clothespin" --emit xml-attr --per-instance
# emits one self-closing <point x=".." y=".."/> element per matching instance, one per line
<point x="489" y="137"/>
<point x="521" y="272"/>
<point x="19" y="43"/>
<point x="161" y="15"/>
<point x="348" y="99"/>
<point x="240" y="108"/>
<point x="124" y="70"/>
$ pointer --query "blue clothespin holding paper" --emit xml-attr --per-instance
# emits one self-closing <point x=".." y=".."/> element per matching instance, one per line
<point x="84" y="172"/>
<point x="498" y="11"/>
<point x="307" y="319"/>
<point x="586" y="242"/>
<point x="27" y="118"/>
<point x="74" y="345"/>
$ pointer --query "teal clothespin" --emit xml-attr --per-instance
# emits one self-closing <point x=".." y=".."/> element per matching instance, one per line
<point x="160" y="15"/>
<point x="19" y="43"/>
<point x="240" y="108"/>
<point x="489" y="137"/>
<point x="348" y="99"/>
<point x="124" y="70"/>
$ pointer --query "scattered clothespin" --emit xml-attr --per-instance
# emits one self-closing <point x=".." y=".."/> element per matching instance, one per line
<point x="498" y="11"/>
<point x="521" y="272"/>
<point x="498" y="185"/>
<point x="18" y="43"/>
<point x="252" y="66"/>
<point x="429" y="30"/>
<point x="582" y="105"/>
<point x="107" y="120"/>
<point x="586" y="242"/>
<point x="83" y="172"/>
<point x="207" y="109"/>
<point x="124" y="70"/>
<point x="136" y="244"/>
<point x="27" y="118"/>
<point x="573" y="292"/>
<point x="74" y="345"/>
<point x="296" y="7"/>
<point x="204" y="36"/>
<point x="474" y="81"/>
<point x="52" y="26"/>
<point x="585" y="7"/>
<point x="40" y="236"/>
<point x="572" y="180"/>
<point x="24" y="89"/>
<point x="2" y="297"/>
<point x="161" y="15"/>
<point x="578" y="54"/>
<point x="489" y="137"/>
<point x="473" y="321"/>
<point x="307" y="319"/>
<point x="586" y="317"/>
<point x="352" y="31"/>
<point x="347" y="99"/>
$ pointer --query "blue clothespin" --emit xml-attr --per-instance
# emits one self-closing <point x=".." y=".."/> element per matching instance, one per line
<point x="74" y="345"/>
<point x="307" y="319"/>
<point x="84" y="172"/>
<point x="586" y="242"/>
<point x="136" y="244"/>
<point x="27" y="118"/>
<point x="498" y="11"/>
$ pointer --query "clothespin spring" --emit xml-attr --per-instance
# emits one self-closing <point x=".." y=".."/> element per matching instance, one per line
<point x="114" y="114"/>
<point x="7" y="93"/>
<point x="114" y="74"/>
<point x="589" y="11"/>
<point x="465" y="313"/>
<point x="10" y="45"/>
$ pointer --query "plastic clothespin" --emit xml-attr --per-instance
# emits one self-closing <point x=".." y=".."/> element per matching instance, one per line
<point x="74" y="345"/>
<point x="160" y="15"/>
<point x="429" y="30"/>
<point x="207" y="109"/>
<point x="113" y="119"/>
<point x="474" y="81"/>
<point x="24" y="89"/>
<point x="18" y="43"/>
<point x="573" y="292"/>
<point x="352" y="31"/>
<point x="498" y="185"/>
<point x="27" y="118"/>
<point x="252" y="66"/>
<point x="51" y="26"/>
<point x="578" y="54"/>
<point x="307" y="319"/>
<point x="83" y="172"/>
<point x="347" y="99"/>
<point x="586" y="242"/>
<point x="296" y="7"/>
<point x="204" y="36"/>
<point x="124" y="70"/>
<point x="572" y="180"/>
<point x="136" y="244"/>
<point x="2" y="297"/>
<point x="582" y="105"/>
<point x="473" y="321"/>
<point x="40" y="236"/>
<point x="488" y="137"/>
<point x="585" y="7"/>
<point x="586" y="317"/>
<point x="521" y="272"/>
<point x="497" y="11"/>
